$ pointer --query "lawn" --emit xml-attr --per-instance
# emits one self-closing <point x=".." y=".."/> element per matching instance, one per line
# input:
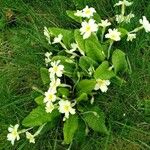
<point x="22" y="49"/>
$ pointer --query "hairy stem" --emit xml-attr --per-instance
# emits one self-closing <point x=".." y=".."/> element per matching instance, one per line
<point x="109" y="49"/>
<point x="102" y="36"/>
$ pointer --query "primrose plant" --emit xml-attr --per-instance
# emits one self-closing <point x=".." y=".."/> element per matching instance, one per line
<point x="85" y="63"/>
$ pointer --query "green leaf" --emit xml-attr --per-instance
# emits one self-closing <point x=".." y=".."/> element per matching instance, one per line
<point x="39" y="100"/>
<point x="82" y="97"/>
<point x="81" y="131"/>
<point x="95" y="120"/>
<point x="79" y="40"/>
<point x="63" y="92"/>
<point x="67" y="35"/>
<point x="72" y="16"/>
<point x="123" y="31"/>
<point x="70" y="127"/>
<point x="97" y="17"/>
<point x="86" y="86"/>
<point x="94" y="49"/>
<point x="38" y="116"/>
<point x="86" y="62"/>
<point x="69" y="65"/>
<point x="103" y="72"/>
<point x="45" y="75"/>
<point x="119" y="61"/>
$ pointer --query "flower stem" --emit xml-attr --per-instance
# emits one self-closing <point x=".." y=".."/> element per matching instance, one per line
<point x="69" y="146"/>
<point x="39" y="130"/>
<point x="63" y="45"/>
<point x="65" y="85"/>
<point x="93" y="112"/>
<point x="136" y="29"/>
<point x="102" y="36"/>
<point x="25" y="130"/>
<point x="37" y="90"/>
<point x="109" y="49"/>
<point x="123" y="8"/>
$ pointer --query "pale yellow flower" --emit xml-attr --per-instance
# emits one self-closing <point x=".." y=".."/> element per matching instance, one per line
<point x="113" y="35"/>
<point x="65" y="107"/>
<point x="131" y="36"/>
<point x="13" y="135"/>
<point x="104" y="23"/>
<point x="88" y="12"/>
<point x="124" y="2"/>
<point x="50" y="96"/>
<point x="47" y="35"/>
<point x="57" y="39"/>
<point x="54" y="84"/>
<point x="79" y="13"/>
<point x="30" y="137"/>
<point x="49" y="107"/>
<point x="56" y="69"/>
<point x="145" y="23"/>
<point x="88" y="28"/>
<point x="102" y="85"/>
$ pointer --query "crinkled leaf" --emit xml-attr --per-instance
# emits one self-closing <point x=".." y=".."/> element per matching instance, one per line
<point x="69" y="129"/>
<point x="97" y="17"/>
<point x="81" y="131"/>
<point x="38" y="116"/>
<point x="63" y="92"/>
<point x="79" y="40"/>
<point x="96" y="120"/>
<point x="103" y="72"/>
<point x="82" y="97"/>
<point x="94" y="49"/>
<point x="45" y="75"/>
<point x="86" y="62"/>
<point x="86" y="86"/>
<point x="105" y="46"/>
<point x="72" y="16"/>
<point x="123" y="32"/>
<point x="67" y="35"/>
<point x="119" y="61"/>
<point x="39" y="100"/>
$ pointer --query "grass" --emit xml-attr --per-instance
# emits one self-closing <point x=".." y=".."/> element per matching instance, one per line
<point x="22" y="48"/>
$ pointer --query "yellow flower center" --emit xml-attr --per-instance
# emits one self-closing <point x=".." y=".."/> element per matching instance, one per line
<point x="30" y="137"/>
<point x="113" y="36"/>
<point x="66" y="108"/>
<point x="101" y="82"/>
<point x="50" y="96"/>
<point x="51" y="107"/>
<point x="88" y="28"/>
<point x="55" y="68"/>
<point x="88" y="11"/>
<point x="14" y="133"/>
